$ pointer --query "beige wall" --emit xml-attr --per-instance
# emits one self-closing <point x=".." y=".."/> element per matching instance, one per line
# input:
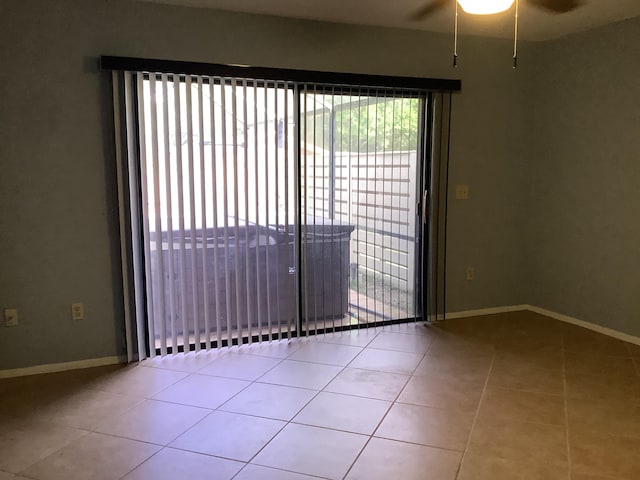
<point x="58" y="206"/>
<point x="584" y="212"/>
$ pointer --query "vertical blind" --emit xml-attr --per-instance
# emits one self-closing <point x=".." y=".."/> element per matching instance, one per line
<point x="260" y="209"/>
<point x="218" y="208"/>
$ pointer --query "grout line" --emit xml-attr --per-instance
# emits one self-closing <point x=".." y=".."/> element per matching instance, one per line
<point x="475" y="417"/>
<point x="289" y="422"/>
<point x="144" y="461"/>
<point x="391" y="404"/>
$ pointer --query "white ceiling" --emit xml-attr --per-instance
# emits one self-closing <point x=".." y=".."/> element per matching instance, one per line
<point x="535" y="24"/>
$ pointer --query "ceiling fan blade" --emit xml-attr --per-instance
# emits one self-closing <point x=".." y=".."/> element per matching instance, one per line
<point x="428" y="8"/>
<point x="556" y="6"/>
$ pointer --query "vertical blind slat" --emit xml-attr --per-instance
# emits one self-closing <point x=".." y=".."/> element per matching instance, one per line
<point x="159" y="299"/>
<point x="145" y="212"/>
<point x="192" y="215"/>
<point x="134" y="205"/>
<point x="267" y="204"/>
<point x="169" y="214"/>
<point x="246" y="253"/>
<point x="225" y="197"/>
<point x="276" y="162"/>
<point x="258" y="283"/>
<point x="203" y="207"/>
<point x="182" y="257"/>
<point x="214" y="208"/>
<point x="236" y="209"/>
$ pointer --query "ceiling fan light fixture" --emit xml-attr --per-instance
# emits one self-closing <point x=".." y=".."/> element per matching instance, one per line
<point x="485" y="7"/>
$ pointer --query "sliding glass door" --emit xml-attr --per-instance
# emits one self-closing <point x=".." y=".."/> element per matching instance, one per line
<point x="360" y="176"/>
<point x="274" y="209"/>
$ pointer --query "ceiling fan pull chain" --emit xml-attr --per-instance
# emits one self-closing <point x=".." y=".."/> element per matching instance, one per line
<point x="515" y="40"/>
<point x="455" y="37"/>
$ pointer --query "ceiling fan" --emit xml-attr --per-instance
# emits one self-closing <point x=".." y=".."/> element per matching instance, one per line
<point x="489" y="7"/>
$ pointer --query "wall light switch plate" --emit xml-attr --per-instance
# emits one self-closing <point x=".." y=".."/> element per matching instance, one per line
<point x="10" y="317"/>
<point x="77" y="311"/>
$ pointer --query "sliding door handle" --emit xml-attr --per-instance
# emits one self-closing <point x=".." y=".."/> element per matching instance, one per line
<point x="425" y="206"/>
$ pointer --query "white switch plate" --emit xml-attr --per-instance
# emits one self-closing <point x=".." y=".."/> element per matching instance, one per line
<point x="462" y="192"/>
<point x="77" y="311"/>
<point x="471" y="273"/>
<point x="11" y="317"/>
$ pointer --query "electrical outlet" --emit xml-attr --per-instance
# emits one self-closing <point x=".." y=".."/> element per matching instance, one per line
<point x="471" y="273"/>
<point x="462" y="192"/>
<point x="77" y="311"/>
<point x="10" y="317"/>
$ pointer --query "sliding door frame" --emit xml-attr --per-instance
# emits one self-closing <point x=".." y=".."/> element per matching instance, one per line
<point x="337" y="83"/>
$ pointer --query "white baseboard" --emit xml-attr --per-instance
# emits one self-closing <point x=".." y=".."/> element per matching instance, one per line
<point x="484" y="311"/>
<point x="98" y="362"/>
<point x="581" y="323"/>
<point x="548" y="313"/>
<point x="61" y="367"/>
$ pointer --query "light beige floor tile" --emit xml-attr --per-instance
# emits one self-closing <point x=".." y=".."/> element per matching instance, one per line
<point x="327" y="353"/>
<point x="94" y="456"/>
<point x="612" y="417"/>
<point x="229" y="435"/>
<point x="301" y="374"/>
<point x="598" y="364"/>
<point x="154" y="422"/>
<point x="343" y="412"/>
<point x="386" y="459"/>
<point x="427" y="426"/>
<point x="189" y="362"/>
<point x="481" y="467"/>
<point x="516" y="405"/>
<point x="138" y="381"/>
<point x="602" y="454"/>
<point x="528" y="339"/>
<point x="22" y="398"/>
<point x="399" y="342"/>
<point x="545" y="356"/>
<point x="257" y="472"/>
<point x="439" y="392"/>
<point x="368" y="383"/>
<point x="526" y="376"/>
<point x="202" y="391"/>
<point x="634" y="350"/>
<point x="581" y="476"/>
<point x="24" y="442"/>
<point x="520" y="441"/>
<point x="85" y="409"/>
<point x="318" y="451"/>
<point x="603" y="387"/>
<point x="459" y="346"/>
<point x="59" y="382"/>
<point x="358" y="338"/>
<point x="172" y="464"/>
<point x="243" y="367"/>
<point x="469" y="368"/>
<point x="581" y="340"/>
<point x="403" y="363"/>
<point x="270" y="401"/>
<point x="273" y="349"/>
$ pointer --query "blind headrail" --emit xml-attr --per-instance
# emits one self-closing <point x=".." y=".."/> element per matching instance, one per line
<point x="108" y="63"/>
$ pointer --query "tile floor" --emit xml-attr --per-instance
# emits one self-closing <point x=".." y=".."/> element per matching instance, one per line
<point x="513" y="396"/>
